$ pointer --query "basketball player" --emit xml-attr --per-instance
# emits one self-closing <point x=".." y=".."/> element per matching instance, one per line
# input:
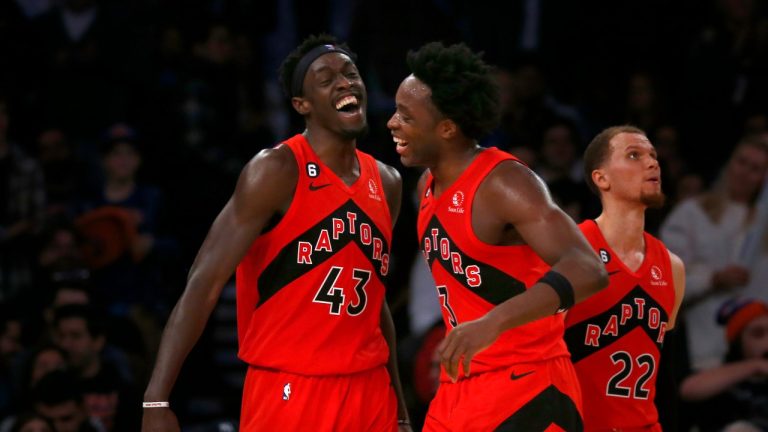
<point x="310" y="225"/>
<point x="615" y="337"/>
<point x="490" y="232"/>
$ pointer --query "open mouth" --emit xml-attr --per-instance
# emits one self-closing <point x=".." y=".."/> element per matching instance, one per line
<point x="348" y="104"/>
<point x="401" y="144"/>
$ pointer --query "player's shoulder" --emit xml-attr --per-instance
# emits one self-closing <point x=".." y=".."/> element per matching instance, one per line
<point x="388" y="172"/>
<point x="511" y="180"/>
<point x="676" y="261"/>
<point x="277" y="159"/>
<point x="274" y="168"/>
<point x="512" y="170"/>
<point x="658" y="243"/>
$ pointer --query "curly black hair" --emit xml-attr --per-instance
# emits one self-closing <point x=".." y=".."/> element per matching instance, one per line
<point x="285" y="72"/>
<point x="463" y="88"/>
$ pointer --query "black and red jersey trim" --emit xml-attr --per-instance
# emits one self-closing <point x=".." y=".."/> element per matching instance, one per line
<point x="636" y="309"/>
<point x="286" y="267"/>
<point x="496" y="286"/>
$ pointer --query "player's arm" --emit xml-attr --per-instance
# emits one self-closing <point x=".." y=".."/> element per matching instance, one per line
<point x="678" y="276"/>
<point x="265" y="187"/>
<point x="514" y="195"/>
<point x="393" y="188"/>
<point x="524" y="201"/>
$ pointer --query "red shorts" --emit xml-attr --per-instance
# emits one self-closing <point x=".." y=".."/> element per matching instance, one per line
<point x="540" y="396"/>
<point x="280" y="401"/>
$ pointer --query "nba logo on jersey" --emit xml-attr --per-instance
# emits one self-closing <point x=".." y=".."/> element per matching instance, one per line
<point x="287" y="391"/>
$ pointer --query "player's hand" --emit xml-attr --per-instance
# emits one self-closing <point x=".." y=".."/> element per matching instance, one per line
<point x="463" y="342"/>
<point x="159" y="420"/>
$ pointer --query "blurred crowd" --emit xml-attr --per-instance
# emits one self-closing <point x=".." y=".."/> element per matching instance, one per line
<point x="124" y="125"/>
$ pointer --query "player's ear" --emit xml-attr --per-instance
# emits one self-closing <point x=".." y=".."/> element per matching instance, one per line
<point x="600" y="179"/>
<point x="447" y="128"/>
<point x="301" y="105"/>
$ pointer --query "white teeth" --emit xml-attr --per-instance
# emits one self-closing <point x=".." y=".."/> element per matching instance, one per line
<point x="399" y="141"/>
<point x="346" y="101"/>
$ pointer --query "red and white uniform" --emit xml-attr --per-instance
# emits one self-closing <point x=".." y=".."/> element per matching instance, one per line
<point x="527" y="368"/>
<point x="309" y="299"/>
<point x="615" y="337"/>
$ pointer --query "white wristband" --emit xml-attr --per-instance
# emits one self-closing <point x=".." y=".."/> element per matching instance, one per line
<point x="155" y="405"/>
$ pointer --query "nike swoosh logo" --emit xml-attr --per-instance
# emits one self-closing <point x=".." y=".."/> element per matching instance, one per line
<point x="613" y="272"/>
<point x="312" y="186"/>
<point x="514" y="377"/>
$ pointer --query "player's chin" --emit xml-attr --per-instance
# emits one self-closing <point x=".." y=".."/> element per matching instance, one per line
<point x="356" y="132"/>
<point x="407" y="161"/>
<point x="654" y="200"/>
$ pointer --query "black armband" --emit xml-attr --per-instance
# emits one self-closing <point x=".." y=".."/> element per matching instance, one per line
<point x="562" y="287"/>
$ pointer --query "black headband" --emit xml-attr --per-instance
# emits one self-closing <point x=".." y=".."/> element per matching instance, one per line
<point x="301" y="68"/>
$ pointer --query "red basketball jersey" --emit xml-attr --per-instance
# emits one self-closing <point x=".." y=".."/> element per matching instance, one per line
<point x="615" y="336"/>
<point x="310" y="291"/>
<point x="472" y="277"/>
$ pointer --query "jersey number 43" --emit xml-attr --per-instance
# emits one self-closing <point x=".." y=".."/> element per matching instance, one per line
<point x="333" y="295"/>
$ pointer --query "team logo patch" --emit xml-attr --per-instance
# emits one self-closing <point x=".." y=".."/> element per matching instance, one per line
<point x="458" y="202"/>
<point x="373" y="190"/>
<point x="655" y="273"/>
<point x="458" y="199"/>
<point x="287" y="391"/>
<point x="657" y="278"/>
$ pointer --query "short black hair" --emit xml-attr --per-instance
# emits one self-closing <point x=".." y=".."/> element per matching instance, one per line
<point x="599" y="150"/>
<point x="285" y="72"/>
<point x="463" y="87"/>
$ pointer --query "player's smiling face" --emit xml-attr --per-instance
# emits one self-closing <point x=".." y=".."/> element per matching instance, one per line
<point x="414" y="123"/>
<point x="336" y="95"/>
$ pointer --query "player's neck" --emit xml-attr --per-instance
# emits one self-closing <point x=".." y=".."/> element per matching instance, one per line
<point x="336" y="153"/>
<point x="451" y="165"/>
<point x="622" y="227"/>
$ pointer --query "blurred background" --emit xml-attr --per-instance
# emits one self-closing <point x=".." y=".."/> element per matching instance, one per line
<point x="124" y="125"/>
